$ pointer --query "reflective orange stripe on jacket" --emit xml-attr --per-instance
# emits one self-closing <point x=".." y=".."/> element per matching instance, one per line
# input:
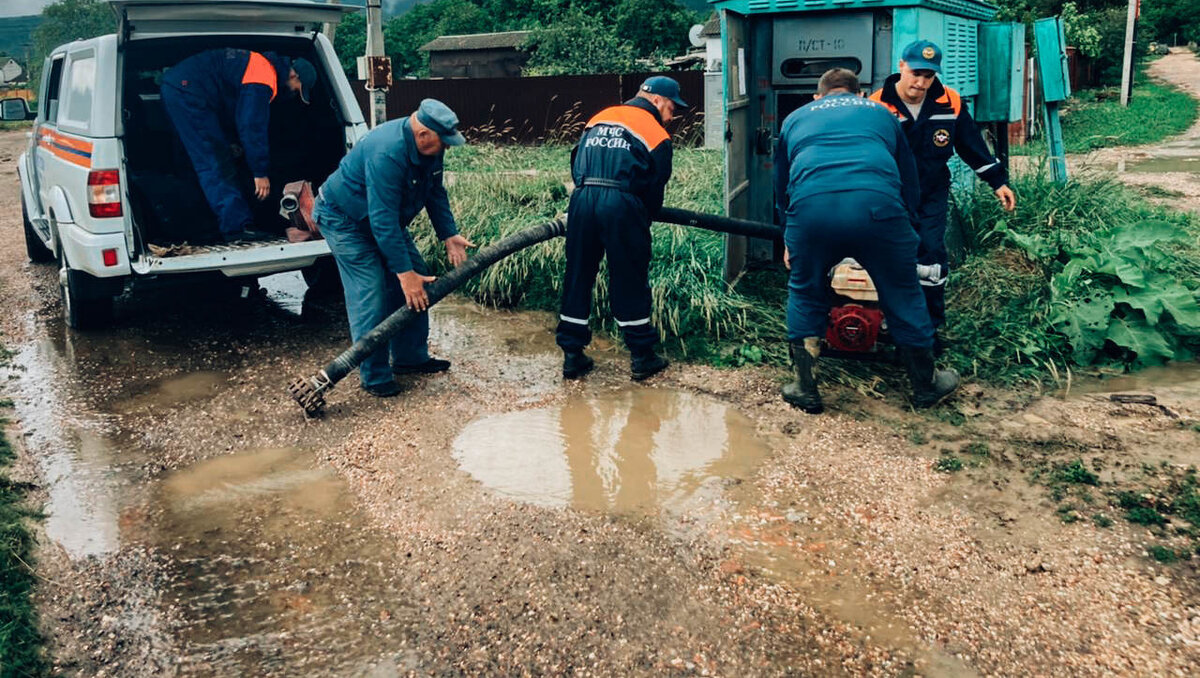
<point x="877" y="97"/>
<point x="951" y="97"/>
<point x="639" y="122"/>
<point x="259" y="71"/>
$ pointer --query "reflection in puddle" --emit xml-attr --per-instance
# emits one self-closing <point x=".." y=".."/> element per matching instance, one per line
<point x="175" y="391"/>
<point x="1158" y="165"/>
<point x="273" y="565"/>
<point x="634" y="451"/>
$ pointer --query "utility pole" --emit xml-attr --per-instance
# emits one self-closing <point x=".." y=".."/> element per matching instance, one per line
<point x="330" y="28"/>
<point x="1127" y="64"/>
<point x="375" y="67"/>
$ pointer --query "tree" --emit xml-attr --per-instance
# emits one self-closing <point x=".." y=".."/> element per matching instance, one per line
<point x="579" y="44"/>
<point x="1166" y="19"/>
<point x="68" y="20"/>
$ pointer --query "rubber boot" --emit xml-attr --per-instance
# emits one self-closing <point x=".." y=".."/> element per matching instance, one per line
<point x="803" y="392"/>
<point x="930" y="385"/>
<point x="576" y="364"/>
<point x="646" y="364"/>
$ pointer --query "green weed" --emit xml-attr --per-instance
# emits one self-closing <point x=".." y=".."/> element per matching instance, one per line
<point x="1144" y="515"/>
<point x="948" y="464"/>
<point x="20" y="640"/>
<point x="1163" y="554"/>
<point x="1102" y="520"/>
<point x="978" y="448"/>
<point x="1076" y="473"/>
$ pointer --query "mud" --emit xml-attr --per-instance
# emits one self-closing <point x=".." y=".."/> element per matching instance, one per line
<point x="494" y="520"/>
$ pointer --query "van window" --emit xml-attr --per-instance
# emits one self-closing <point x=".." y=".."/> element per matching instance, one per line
<point x="81" y="84"/>
<point x="50" y="101"/>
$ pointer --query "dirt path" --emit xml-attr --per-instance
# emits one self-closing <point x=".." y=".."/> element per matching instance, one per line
<point x="496" y="521"/>
<point x="1173" y="166"/>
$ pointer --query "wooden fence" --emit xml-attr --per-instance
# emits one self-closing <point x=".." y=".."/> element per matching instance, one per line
<point x="538" y="109"/>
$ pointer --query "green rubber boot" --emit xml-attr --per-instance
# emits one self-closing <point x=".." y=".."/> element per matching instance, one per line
<point x="803" y="392"/>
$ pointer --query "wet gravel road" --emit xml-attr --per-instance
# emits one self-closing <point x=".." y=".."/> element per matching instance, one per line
<point x="496" y="521"/>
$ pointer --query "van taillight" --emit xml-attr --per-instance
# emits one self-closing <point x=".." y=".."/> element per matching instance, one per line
<point x="104" y="193"/>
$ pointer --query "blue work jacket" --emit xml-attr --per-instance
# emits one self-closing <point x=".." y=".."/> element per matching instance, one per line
<point x="842" y="142"/>
<point x="223" y="81"/>
<point x="383" y="183"/>
<point x="628" y="145"/>
<point x="942" y="127"/>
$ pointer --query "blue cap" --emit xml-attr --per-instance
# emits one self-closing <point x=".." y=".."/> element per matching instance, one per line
<point x="664" y="87"/>
<point x="438" y="117"/>
<point x="923" y="55"/>
<point x="308" y="78"/>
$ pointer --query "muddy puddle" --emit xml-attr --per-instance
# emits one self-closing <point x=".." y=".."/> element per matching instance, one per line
<point x="632" y="452"/>
<point x="1178" y="380"/>
<point x="272" y="567"/>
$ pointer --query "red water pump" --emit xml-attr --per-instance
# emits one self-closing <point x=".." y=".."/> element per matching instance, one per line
<point x="856" y="323"/>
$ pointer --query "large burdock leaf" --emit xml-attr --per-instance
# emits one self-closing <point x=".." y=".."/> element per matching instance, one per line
<point x="1141" y="339"/>
<point x="1180" y="302"/>
<point x="1085" y="323"/>
<point x="1144" y="234"/>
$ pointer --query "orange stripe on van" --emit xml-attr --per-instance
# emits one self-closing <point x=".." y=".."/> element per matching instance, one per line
<point x="259" y="71"/>
<point x="74" y="151"/>
<point x="640" y="122"/>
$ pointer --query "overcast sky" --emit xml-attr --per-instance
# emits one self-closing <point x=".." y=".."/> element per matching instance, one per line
<point x="22" y="7"/>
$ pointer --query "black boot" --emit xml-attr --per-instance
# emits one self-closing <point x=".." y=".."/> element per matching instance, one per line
<point x="576" y="364"/>
<point x="646" y="364"/>
<point x="803" y="392"/>
<point x="930" y="385"/>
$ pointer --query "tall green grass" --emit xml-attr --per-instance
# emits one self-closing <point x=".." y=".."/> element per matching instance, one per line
<point x="496" y="190"/>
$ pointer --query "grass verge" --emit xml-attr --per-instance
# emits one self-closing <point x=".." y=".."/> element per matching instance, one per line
<point x="20" y="641"/>
<point x="1095" y="118"/>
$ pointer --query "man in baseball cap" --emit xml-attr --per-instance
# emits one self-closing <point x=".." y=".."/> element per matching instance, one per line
<point x="364" y="210"/>
<point x="663" y="86"/>
<point x="937" y="125"/>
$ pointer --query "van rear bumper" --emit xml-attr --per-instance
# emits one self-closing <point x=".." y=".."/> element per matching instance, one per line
<point x="240" y="259"/>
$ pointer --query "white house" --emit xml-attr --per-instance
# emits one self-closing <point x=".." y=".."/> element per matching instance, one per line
<point x="10" y="70"/>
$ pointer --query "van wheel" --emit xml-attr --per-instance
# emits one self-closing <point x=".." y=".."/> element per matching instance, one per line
<point x="34" y="247"/>
<point x="83" y="308"/>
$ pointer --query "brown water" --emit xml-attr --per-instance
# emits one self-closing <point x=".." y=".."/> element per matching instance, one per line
<point x="272" y="565"/>
<point x="1176" y="380"/>
<point x="1159" y="165"/>
<point x="636" y="451"/>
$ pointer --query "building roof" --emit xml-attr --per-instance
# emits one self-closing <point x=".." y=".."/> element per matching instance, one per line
<point x="712" y="27"/>
<point x="446" y="43"/>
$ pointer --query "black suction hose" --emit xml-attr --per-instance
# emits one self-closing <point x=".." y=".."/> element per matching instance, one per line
<point x="309" y="392"/>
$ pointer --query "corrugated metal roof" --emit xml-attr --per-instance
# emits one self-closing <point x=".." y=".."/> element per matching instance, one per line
<point x="446" y="43"/>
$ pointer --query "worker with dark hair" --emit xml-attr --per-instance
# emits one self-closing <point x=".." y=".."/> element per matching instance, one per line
<point x="936" y="124"/>
<point x="846" y="183"/>
<point x="364" y="210"/>
<point x="216" y="91"/>
<point x="620" y="168"/>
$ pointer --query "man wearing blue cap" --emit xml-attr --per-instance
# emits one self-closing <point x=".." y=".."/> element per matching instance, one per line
<point x="846" y="183"/>
<point x="620" y="168"/>
<point x="220" y="89"/>
<point x="364" y="210"/>
<point x="937" y="124"/>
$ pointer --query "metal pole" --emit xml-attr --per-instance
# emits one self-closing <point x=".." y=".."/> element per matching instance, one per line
<point x="375" y="49"/>
<point x="330" y="28"/>
<point x="1127" y="64"/>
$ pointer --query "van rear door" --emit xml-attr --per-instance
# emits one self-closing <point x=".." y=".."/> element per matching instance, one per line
<point x="156" y="18"/>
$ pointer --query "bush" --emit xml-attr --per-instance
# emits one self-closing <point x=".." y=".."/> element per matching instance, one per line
<point x="1081" y="274"/>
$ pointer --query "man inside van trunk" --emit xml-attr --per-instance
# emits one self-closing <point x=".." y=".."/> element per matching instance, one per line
<point x="231" y="89"/>
<point x="364" y="210"/>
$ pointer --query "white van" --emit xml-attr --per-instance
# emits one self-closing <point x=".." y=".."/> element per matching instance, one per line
<point x="104" y="175"/>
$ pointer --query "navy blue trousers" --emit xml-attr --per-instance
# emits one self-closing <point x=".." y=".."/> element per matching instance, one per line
<point x="373" y="293"/>
<point x="607" y="222"/>
<point x="207" y="146"/>
<point x="874" y="229"/>
<point x="931" y="228"/>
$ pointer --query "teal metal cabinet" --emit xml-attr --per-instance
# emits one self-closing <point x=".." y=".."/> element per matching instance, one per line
<point x="1052" y="58"/>
<point x="1001" y="72"/>
<point x="775" y="52"/>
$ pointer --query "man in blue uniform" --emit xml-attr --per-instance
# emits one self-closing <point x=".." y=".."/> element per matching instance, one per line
<point x="936" y="124"/>
<point x="620" y="168"/>
<point x="364" y="210"/>
<point x="846" y="183"/>
<point x="209" y="94"/>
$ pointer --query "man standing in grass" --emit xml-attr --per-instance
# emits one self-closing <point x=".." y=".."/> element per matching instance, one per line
<point x="846" y="183"/>
<point x="364" y="210"/>
<point x="936" y="124"/>
<point x="620" y="168"/>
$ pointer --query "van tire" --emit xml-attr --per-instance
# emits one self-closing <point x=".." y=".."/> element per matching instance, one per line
<point x="84" y="308"/>
<point x="34" y="247"/>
